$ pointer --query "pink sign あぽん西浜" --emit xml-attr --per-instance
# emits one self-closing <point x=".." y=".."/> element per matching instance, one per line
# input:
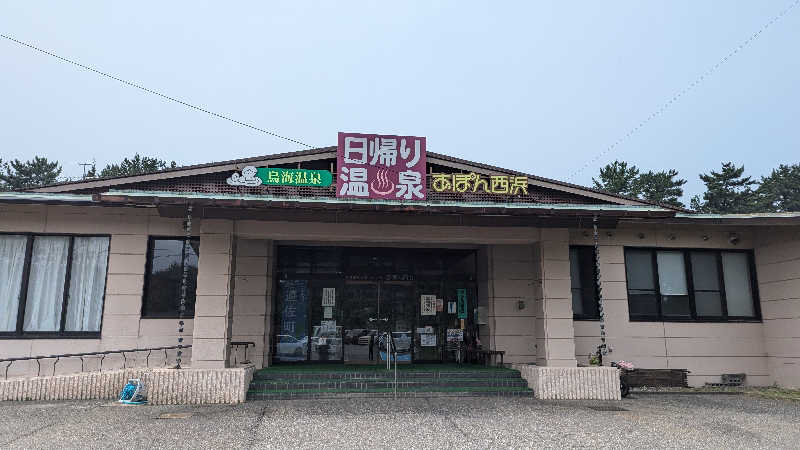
<point x="380" y="167"/>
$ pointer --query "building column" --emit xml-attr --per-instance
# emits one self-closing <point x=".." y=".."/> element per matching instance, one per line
<point x="214" y="296"/>
<point x="252" y="299"/>
<point x="555" y="334"/>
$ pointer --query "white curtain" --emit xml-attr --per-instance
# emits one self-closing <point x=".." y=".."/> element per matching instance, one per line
<point x="736" y="275"/>
<point x="12" y="262"/>
<point x="87" y="282"/>
<point x="46" y="283"/>
<point x="671" y="273"/>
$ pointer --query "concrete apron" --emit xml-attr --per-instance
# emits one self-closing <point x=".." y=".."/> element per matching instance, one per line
<point x="164" y="386"/>
<point x="572" y="383"/>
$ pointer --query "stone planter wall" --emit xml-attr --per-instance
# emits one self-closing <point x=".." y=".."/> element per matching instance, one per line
<point x="164" y="386"/>
<point x="572" y="383"/>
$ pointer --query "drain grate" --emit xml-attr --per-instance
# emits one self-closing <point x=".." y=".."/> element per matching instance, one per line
<point x="607" y="408"/>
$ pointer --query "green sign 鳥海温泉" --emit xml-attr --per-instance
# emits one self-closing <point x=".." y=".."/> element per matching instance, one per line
<point x="461" y="295"/>
<point x="274" y="176"/>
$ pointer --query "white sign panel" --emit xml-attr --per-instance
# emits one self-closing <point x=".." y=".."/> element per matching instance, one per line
<point x="427" y="340"/>
<point x="327" y="313"/>
<point x="427" y="305"/>
<point x="328" y="296"/>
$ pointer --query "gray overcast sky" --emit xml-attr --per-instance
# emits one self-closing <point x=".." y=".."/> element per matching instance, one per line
<point x="541" y="87"/>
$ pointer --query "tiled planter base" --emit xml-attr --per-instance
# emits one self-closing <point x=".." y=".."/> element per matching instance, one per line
<point x="572" y="383"/>
<point x="164" y="386"/>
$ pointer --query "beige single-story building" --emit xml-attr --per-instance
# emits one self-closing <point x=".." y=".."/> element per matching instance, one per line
<point x="490" y="258"/>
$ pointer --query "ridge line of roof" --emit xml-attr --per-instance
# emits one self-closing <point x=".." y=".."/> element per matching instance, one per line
<point x="319" y="150"/>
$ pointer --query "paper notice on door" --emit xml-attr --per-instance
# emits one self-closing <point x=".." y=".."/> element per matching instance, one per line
<point x="327" y="313"/>
<point x="328" y="296"/>
<point x="427" y="340"/>
<point x="451" y="307"/>
<point x="427" y="305"/>
<point x="439" y="305"/>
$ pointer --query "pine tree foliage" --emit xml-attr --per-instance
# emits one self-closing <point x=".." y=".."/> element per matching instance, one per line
<point x="780" y="191"/>
<point x="618" y="178"/>
<point x="19" y="175"/>
<point x="660" y="187"/>
<point x="727" y="192"/>
<point x="136" y="166"/>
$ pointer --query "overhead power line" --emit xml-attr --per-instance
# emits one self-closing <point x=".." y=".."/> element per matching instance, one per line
<point x="685" y="90"/>
<point x="154" y="92"/>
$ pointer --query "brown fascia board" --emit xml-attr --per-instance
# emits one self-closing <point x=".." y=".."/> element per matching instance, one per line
<point x="328" y="152"/>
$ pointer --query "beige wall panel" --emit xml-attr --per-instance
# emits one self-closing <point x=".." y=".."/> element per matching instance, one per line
<point x="126" y="264"/>
<point x="555" y="234"/>
<point x="557" y="270"/>
<point x="513" y="270"/>
<point x="512" y="288"/>
<point x="165" y="226"/>
<point x="251" y="265"/>
<point x="62" y="346"/>
<point x="208" y="350"/>
<point x="250" y="304"/>
<point x="214" y="244"/>
<point x="555" y="251"/>
<point x="354" y="232"/>
<point x="561" y="349"/>
<point x="165" y="327"/>
<point x="509" y="307"/>
<point x="714" y="330"/>
<point x="212" y="305"/>
<point x="586" y="328"/>
<point x="248" y="324"/>
<point x="124" y="284"/>
<point x="783" y="347"/>
<point x="129" y="244"/>
<point x="516" y="345"/>
<point x="716" y="365"/>
<point x="513" y="326"/>
<point x="613" y="272"/>
<point x="558" y="308"/>
<point x="635" y="347"/>
<point x="556" y="328"/>
<point x="716" y="346"/>
<point x="560" y="289"/>
<point x="781" y="309"/>
<point x="213" y="285"/>
<point x="611" y="254"/>
<point x="120" y="325"/>
<point x="513" y="253"/>
<point x="615" y="290"/>
<point x="253" y="247"/>
<point x="620" y="326"/>
<point x="122" y="304"/>
<point x="786" y="372"/>
<point x="779" y="271"/>
<point x="251" y="285"/>
<point x="782" y="328"/>
<point x="214" y="263"/>
<point x="786" y="250"/>
<point x="779" y="290"/>
<point x="89" y="224"/>
<point x="585" y="346"/>
<point x="221" y="226"/>
<point x="16" y="348"/>
<point x="22" y="222"/>
<point x="207" y="327"/>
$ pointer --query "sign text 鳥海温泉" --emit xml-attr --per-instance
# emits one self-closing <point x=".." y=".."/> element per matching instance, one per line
<point x="380" y="167"/>
<point x="474" y="182"/>
<point x="276" y="176"/>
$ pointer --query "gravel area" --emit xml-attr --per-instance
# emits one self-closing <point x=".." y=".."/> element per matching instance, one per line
<point x="647" y="421"/>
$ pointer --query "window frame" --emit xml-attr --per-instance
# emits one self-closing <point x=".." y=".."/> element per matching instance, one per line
<point x="20" y="333"/>
<point x="686" y="252"/>
<point x="148" y="267"/>
<point x="596" y="272"/>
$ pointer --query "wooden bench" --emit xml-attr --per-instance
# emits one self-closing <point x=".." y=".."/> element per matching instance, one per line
<point x="486" y="357"/>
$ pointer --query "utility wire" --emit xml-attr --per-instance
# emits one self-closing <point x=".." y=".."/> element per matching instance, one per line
<point x="685" y="90"/>
<point x="153" y="92"/>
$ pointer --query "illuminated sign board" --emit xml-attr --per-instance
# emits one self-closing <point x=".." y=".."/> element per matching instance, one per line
<point x="275" y="176"/>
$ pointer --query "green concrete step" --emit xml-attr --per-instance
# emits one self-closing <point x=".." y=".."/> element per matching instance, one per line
<point x="366" y="383"/>
<point x="425" y="391"/>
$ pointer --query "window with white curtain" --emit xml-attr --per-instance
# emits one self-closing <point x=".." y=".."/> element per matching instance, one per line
<point x="52" y="285"/>
<point x="700" y="285"/>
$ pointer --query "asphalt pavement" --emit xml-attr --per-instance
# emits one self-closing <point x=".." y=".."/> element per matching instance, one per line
<point x="645" y="421"/>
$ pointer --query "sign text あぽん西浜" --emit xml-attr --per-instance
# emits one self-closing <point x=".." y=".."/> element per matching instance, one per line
<point x="276" y="176"/>
<point x="380" y="167"/>
<point x="474" y="182"/>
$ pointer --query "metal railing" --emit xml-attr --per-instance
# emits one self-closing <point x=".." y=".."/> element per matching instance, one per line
<point x="99" y="356"/>
<point x="236" y="345"/>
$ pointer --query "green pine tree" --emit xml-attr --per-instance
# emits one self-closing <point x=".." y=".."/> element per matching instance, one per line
<point x="618" y="178"/>
<point x="780" y="191"/>
<point x="136" y="166"/>
<point x="660" y="187"/>
<point x="19" y="175"/>
<point x="727" y="192"/>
